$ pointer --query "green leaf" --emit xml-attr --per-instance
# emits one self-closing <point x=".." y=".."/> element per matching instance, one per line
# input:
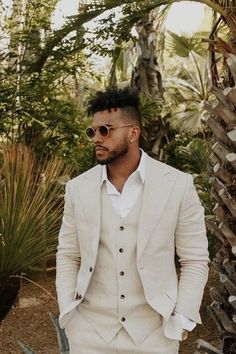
<point x="30" y="209"/>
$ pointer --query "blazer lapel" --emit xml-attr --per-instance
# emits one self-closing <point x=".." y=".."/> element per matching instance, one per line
<point x="159" y="181"/>
<point x="90" y="194"/>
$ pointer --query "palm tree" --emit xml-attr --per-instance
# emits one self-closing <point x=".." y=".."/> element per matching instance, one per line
<point x="187" y="81"/>
<point x="147" y="79"/>
<point x="221" y="120"/>
<point x="222" y="166"/>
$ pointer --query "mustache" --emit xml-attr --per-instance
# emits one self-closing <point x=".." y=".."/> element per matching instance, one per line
<point x="99" y="147"/>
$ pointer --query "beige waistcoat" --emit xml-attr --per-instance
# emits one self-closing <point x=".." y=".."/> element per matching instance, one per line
<point x="115" y="296"/>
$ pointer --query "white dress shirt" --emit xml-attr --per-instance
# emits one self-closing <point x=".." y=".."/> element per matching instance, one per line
<point x="124" y="201"/>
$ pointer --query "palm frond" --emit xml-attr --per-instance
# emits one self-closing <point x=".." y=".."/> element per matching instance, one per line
<point x="183" y="45"/>
<point x="189" y="120"/>
<point x="227" y="4"/>
<point x="194" y="156"/>
<point x="150" y="109"/>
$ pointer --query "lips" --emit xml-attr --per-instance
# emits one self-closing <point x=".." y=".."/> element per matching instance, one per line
<point x="100" y="148"/>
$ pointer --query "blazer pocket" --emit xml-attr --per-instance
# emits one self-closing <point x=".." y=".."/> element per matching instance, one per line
<point x="67" y="313"/>
<point x="70" y="318"/>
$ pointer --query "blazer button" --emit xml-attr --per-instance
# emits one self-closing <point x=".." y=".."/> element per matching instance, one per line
<point x="121" y="228"/>
<point x="90" y="269"/>
<point x="79" y="296"/>
<point x="122" y="273"/>
<point x="122" y="296"/>
<point x="122" y="319"/>
<point x="121" y="250"/>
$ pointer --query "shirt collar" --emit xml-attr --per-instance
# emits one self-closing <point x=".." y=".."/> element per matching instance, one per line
<point x="140" y="169"/>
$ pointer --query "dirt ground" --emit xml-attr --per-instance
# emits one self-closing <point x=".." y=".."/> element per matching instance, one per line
<point x="29" y="321"/>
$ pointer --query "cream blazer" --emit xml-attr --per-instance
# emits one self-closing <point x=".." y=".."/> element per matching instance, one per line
<point x="171" y="222"/>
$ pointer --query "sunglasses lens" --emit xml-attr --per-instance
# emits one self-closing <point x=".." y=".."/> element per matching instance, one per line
<point x="103" y="130"/>
<point x="90" y="132"/>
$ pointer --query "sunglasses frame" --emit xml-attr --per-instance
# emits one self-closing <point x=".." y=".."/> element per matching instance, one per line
<point x="108" y="127"/>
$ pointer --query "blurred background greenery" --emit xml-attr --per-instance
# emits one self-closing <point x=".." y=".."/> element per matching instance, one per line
<point x="46" y="78"/>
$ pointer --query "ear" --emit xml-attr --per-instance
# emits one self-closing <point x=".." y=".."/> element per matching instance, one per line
<point x="134" y="134"/>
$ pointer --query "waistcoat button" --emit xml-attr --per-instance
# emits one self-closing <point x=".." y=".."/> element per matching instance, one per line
<point x="122" y="273"/>
<point x="121" y="250"/>
<point x="122" y="296"/>
<point x="79" y="297"/>
<point x="121" y="228"/>
<point x="90" y="269"/>
<point x="122" y="319"/>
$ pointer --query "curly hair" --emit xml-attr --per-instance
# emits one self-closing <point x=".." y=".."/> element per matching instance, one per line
<point x="125" y="99"/>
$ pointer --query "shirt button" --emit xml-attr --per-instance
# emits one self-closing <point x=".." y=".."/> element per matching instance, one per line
<point x="90" y="269"/>
<point x="122" y="296"/>
<point x="122" y="273"/>
<point x="122" y="319"/>
<point x="121" y="250"/>
<point x="121" y="228"/>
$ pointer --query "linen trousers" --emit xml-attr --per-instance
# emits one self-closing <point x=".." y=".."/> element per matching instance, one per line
<point x="83" y="339"/>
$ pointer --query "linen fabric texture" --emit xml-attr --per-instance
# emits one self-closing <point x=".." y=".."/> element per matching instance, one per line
<point x="171" y="219"/>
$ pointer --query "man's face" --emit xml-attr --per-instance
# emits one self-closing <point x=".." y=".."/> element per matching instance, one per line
<point x="116" y="145"/>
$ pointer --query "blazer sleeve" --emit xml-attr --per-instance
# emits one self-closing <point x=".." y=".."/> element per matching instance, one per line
<point x="68" y="255"/>
<point x="191" y="247"/>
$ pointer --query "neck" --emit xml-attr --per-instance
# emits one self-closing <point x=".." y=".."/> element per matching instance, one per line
<point x="119" y="171"/>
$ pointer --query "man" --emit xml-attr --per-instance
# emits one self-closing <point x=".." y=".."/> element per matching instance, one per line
<point x="123" y="221"/>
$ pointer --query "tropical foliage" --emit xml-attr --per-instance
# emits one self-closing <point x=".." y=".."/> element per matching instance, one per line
<point x="41" y="107"/>
<point x="31" y="195"/>
<point x="46" y="77"/>
<point x="188" y="84"/>
<point x="192" y="155"/>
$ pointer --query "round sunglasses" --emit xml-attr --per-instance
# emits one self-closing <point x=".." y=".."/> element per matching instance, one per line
<point x="104" y="130"/>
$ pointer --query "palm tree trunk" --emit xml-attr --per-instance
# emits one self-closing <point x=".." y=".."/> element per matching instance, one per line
<point x="222" y="171"/>
<point x="146" y="78"/>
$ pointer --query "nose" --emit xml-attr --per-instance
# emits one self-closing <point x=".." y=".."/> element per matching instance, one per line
<point x="97" y="138"/>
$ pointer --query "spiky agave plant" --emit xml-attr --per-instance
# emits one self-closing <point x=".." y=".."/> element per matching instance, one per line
<point x="30" y="200"/>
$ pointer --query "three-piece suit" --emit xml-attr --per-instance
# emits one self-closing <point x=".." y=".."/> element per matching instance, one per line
<point x="117" y="283"/>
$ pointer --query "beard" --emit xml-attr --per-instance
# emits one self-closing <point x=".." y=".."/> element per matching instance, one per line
<point x="115" y="154"/>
